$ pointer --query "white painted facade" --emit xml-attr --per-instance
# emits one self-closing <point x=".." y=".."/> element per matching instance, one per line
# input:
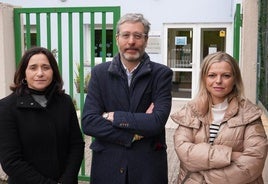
<point x="160" y="13"/>
<point x="165" y="15"/>
<point x="157" y="11"/>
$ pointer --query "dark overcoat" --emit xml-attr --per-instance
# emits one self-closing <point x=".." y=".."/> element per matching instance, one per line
<point x="116" y="158"/>
<point x="38" y="144"/>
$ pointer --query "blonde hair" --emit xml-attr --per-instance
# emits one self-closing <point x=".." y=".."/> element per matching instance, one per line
<point x="203" y="96"/>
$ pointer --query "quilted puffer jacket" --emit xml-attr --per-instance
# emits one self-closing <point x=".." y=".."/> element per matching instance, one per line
<point x="202" y="163"/>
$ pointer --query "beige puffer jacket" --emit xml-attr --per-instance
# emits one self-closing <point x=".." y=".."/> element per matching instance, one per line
<point x="202" y="163"/>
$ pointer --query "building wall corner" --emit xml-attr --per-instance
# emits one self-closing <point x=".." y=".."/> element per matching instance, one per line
<point x="7" y="49"/>
<point x="249" y="45"/>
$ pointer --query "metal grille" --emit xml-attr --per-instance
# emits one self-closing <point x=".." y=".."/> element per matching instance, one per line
<point x="70" y="33"/>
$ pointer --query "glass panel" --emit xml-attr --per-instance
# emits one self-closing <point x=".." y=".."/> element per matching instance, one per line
<point x="180" y="48"/>
<point x="109" y="43"/>
<point x="33" y="40"/>
<point x="213" y="40"/>
<point x="182" y="84"/>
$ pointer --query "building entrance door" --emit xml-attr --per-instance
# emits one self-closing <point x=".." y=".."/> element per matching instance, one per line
<point x="186" y="46"/>
<point x="180" y="51"/>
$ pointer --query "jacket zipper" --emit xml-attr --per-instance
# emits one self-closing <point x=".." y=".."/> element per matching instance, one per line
<point x="186" y="177"/>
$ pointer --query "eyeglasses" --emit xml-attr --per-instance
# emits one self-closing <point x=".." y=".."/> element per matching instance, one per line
<point x="136" y="36"/>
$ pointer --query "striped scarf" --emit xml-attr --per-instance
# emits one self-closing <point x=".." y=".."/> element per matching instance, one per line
<point x="218" y="112"/>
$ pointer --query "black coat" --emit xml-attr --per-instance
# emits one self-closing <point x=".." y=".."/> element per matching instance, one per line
<point x="40" y="145"/>
<point x="115" y="157"/>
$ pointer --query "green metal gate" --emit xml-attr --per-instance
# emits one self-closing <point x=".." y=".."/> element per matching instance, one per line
<point x="74" y="35"/>
<point x="237" y="26"/>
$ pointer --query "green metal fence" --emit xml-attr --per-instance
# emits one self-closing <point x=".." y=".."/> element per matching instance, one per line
<point x="71" y="34"/>
<point x="237" y="26"/>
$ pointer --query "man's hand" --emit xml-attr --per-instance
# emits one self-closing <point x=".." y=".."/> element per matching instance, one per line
<point x="108" y="116"/>
<point x="150" y="109"/>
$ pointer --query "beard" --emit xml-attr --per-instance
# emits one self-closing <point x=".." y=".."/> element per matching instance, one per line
<point x="132" y="57"/>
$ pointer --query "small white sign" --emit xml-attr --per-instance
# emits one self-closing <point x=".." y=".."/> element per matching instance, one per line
<point x="212" y="50"/>
<point x="180" y="40"/>
<point x="153" y="45"/>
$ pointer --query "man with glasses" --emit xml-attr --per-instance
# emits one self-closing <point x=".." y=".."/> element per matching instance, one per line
<point x="126" y="109"/>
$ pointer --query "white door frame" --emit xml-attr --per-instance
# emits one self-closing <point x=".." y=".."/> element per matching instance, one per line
<point x="196" y="27"/>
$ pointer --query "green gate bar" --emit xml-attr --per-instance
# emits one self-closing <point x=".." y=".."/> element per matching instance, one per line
<point x="30" y="21"/>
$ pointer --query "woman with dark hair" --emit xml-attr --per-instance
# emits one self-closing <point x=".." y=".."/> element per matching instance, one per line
<point x="220" y="138"/>
<point x="40" y="137"/>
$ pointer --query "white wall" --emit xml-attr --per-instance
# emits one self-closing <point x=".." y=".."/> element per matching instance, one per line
<point x="249" y="47"/>
<point x="7" y="54"/>
<point x="157" y="11"/>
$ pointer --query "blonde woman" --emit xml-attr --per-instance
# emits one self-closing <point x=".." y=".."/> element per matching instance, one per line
<point x="220" y="138"/>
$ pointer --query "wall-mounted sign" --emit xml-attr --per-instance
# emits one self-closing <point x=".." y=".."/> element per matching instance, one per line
<point x="154" y="44"/>
<point x="181" y="40"/>
<point x="212" y="48"/>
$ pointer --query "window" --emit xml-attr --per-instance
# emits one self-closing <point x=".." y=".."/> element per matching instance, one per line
<point x="109" y="43"/>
